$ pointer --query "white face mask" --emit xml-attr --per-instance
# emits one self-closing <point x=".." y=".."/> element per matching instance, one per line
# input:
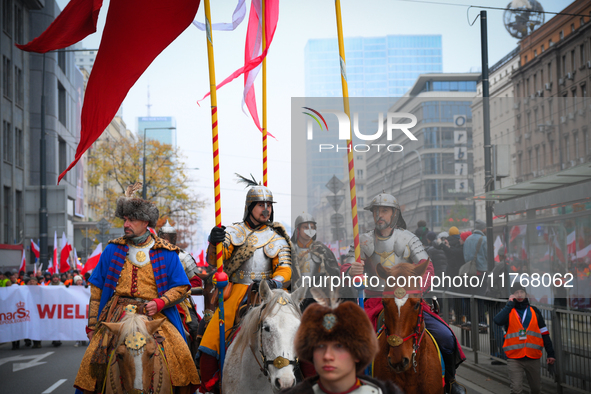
<point x="310" y="233"/>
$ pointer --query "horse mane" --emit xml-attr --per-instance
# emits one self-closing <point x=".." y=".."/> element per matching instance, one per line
<point x="132" y="323"/>
<point x="251" y="322"/>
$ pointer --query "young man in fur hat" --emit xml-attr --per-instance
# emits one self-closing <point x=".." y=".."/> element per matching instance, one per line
<point x="254" y="250"/>
<point x="142" y="270"/>
<point x="390" y="243"/>
<point x="341" y="343"/>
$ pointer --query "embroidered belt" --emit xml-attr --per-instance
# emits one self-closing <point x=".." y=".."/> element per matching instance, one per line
<point x="246" y="277"/>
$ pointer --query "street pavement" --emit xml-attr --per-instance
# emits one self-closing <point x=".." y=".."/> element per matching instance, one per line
<point x="39" y="371"/>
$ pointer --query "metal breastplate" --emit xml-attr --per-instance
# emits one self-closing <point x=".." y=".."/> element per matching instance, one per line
<point x="306" y="262"/>
<point x="266" y="243"/>
<point x="140" y="256"/>
<point x="400" y="247"/>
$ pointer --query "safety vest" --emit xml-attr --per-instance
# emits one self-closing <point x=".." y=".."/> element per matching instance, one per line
<point x="520" y="342"/>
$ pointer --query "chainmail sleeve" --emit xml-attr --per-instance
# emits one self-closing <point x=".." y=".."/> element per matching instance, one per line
<point x="93" y="307"/>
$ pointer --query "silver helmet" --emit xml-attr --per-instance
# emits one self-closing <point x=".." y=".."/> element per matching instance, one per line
<point x="301" y="219"/>
<point x="167" y="228"/>
<point x="388" y="200"/>
<point x="257" y="194"/>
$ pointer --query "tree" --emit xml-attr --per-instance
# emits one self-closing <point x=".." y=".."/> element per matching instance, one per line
<point x="118" y="164"/>
<point x="457" y="215"/>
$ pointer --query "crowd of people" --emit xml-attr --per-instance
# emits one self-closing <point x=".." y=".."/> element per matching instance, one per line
<point x="70" y="278"/>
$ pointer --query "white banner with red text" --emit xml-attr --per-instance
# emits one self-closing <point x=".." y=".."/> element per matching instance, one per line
<point x="43" y="313"/>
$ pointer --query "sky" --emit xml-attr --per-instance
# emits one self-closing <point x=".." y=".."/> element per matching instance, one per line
<point x="179" y="77"/>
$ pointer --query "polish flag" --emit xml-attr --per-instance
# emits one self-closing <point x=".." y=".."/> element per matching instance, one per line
<point x="23" y="266"/>
<point x="78" y="265"/>
<point x="53" y="265"/>
<point x="571" y="243"/>
<point x="498" y="245"/>
<point x="584" y="252"/>
<point x="66" y="249"/>
<point x="93" y="259"/>
<point x="517" y="231"/>
<point x="35" y="250"/>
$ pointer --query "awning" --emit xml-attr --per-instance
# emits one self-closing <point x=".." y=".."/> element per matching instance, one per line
<point x="568" y="177"/>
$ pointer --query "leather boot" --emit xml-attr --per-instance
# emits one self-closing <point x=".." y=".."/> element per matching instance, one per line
<point x="451" y="385"/>
<point x="209" y="373"/>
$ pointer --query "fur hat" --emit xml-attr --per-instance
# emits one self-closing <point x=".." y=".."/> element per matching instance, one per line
<point x="346" y="324"/>
<point x="136" y="208"/>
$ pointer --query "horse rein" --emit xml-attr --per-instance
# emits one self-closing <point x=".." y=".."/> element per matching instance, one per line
<point x="279" y="362"/>
<point x="418" y="333"/>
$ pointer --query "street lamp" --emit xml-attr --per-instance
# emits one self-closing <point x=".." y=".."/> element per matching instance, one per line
<point x="144" y="186"/>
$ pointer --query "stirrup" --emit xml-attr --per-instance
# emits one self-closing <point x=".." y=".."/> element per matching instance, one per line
<point x="456" y="388"/>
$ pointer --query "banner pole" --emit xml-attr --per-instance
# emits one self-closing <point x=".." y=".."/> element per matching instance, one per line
<point x="264" y="98"/>
<point x="220" y="278"/>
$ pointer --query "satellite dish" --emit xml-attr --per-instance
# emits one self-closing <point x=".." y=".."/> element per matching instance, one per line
<point x="522" y="17"/>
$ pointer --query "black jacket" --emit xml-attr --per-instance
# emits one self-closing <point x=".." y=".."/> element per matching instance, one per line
<point x="306" y="387"/>
<point x="502" y="319"/>
<point x="455" y="255"/>
<point x="438" y="258"/>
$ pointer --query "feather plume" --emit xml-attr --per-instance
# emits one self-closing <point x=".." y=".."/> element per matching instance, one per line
<point x="323" y="299"/>
<point x="132" y="189"/>
<point x="246" y="181"/>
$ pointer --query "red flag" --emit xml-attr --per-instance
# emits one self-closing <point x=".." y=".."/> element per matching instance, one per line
<point x="253" y="57"/>
<point x="66" y="248"/>
<point x="136" y="31"/>
<point x="35" y="249"/>
<point x="517" y="231"/>
<point x="74" y="23"/>
<point x="93" y="259"/>
<point x="23" y="266"/>
<point x="201" y="262"/>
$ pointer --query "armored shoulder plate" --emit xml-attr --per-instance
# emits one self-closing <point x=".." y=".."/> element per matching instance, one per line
<point x="366" y="242"/>
<point x="189" y="263"/>
<point x="408" y="246"/>
<point x="237" y="233"/>
<point x="275" y="245"/>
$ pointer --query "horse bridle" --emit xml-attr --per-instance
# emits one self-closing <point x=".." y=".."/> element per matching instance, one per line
<point x="279" y="362"/>
<point x="417" y="334"/>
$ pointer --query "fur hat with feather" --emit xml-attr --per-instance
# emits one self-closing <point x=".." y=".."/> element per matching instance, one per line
<point x="136" y="208"/>
<point x="345" y="323"/>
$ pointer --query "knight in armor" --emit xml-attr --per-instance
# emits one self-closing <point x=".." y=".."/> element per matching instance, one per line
<point x="390" y="243"/>
<point x="310" y="258"/>
<point x="254" y="250"/>
<point x="142" y="270"/>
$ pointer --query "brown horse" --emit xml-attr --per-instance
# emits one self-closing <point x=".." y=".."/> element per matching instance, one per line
<point x="137" y="365"/>
<point x="407" y="354"/>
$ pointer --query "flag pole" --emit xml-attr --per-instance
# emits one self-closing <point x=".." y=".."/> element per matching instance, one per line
<point x="220" y="278"/>
<point x="264" y="97"/>
<point x="349" y="143"/>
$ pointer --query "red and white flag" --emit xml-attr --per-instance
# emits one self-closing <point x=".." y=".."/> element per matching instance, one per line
<point x="35" y="250"/>
<point x="93" y="259"/>
<point x="66" y="249"/>
<point x="53" y="267"/>
<point x="498" y="245"/>
<point x="571" y="243"/>
<point x="517" y="231"/>
<point x="77" y="261"/>
<point x="23" y="266"/>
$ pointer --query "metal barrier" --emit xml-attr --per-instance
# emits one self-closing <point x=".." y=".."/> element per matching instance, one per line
<point x="570" y="332"/>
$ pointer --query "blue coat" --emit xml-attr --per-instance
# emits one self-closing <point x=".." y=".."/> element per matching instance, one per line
<point x="470" y="250"/>
<point x="168" y="272"/>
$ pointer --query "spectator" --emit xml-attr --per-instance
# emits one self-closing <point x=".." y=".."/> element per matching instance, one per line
<point x="470" y="252"/>
<point x="41" y="280"/>
<point x="437" y="255"/>
<point x="55" y="280"/>
<point x="454" y="251"/>
<point x="86" y="277"/>
<point x="464" y="236"/>
<point x="5" y="279"/>
<point x="13" y="278"/>
<point x="421" y="231"/>
<point x="63" y="278"/>
<point x="21" y="278"/>
<point x="47" y="276"/>
<point x="523" y="346"/>
<point x="78" y="281"/>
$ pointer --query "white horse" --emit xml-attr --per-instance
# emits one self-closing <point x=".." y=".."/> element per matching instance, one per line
<point x="261" y="359"/>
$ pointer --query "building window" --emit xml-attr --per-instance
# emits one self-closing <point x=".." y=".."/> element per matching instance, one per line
<point x="549" y="72"/>
<point x="535" y="53"/>
<point x="544" y="153"/>
<point x="360" y="187"/>
<point x="519" y="164"/>
<point x="551" y="152"/>
<point x="19" y="147"/>
<point x="542" y="48"/>
<point x="19" y="86"/>
<point x="360" y="201"/>
<point x="7" y="16"/>
<point x="18" y="25"/>
<point x="359" y="174"/>
<point x="359" y="157"/>
<point x="61" y="60"/>
<point x="566" y="148"/>
<point x="572" y="60"/>
<point x="18" y="202"/>
<point x="538" y="158"/>
<point x="572" y="27"/>
<point x="574" y="98"/>
<point x="582" y="54"/>
<point x="576" y="138"/>
<point x="61" y="93"/>
<point x="561" y="35"/>
<point x="7" y="215"/>
<point x="7" y="141"/>
<point x="530" y="162"/>
<point x="63" y="159"/>
<point x="550" y="43"/>
<point x="6" y="77"/>
<point x="586" y="142"/>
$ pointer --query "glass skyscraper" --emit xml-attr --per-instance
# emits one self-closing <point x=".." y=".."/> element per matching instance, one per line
<point x="159" y="128"/>
<point x="376" y="67"/>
